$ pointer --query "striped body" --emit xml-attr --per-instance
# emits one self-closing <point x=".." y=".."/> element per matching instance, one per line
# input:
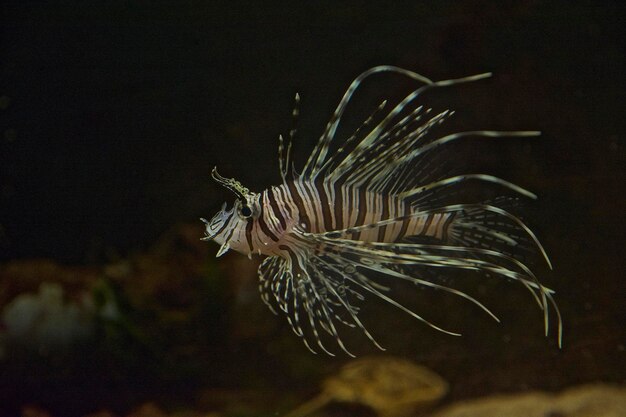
<point x="377" y="204"/>
<point x="318" y="208"/>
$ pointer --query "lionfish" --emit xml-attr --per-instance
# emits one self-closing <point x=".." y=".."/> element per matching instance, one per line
<point x="378" y="208"/>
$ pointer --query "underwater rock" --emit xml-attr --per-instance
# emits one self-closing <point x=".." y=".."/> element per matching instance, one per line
<point x="598" y="400"/>
<point x="45" y="320"/>
<point x="47" y="307"/>
<point x="391" y="386"/>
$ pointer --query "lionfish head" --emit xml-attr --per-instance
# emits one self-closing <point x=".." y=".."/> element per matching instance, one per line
<point x="224" y="226"/>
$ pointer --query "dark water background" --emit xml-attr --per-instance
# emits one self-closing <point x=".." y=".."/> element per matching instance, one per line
<point x="113" y="114"/>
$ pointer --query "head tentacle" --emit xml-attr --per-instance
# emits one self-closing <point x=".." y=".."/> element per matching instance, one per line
<point x="232" y="184"/>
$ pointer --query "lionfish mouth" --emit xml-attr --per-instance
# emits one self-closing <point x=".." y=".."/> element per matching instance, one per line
<point x="207" y="236"/>
<point x="211" y="236"/>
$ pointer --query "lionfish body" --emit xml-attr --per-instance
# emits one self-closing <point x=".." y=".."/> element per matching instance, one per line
<point x="378" y="208"/>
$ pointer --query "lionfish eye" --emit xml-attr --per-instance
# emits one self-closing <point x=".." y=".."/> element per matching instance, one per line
<point x="246" y="211"/>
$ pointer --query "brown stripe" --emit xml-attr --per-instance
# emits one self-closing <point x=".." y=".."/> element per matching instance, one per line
<point x="447" y="224"/>
<point x="230" y="235"/>
<point x="338" y="205"/>
<point x="405" y="222"/>
<point x="282" y="197"/>
<point x="297" y="199"/>
<point x="384" y="215"/>
<point x="249" y="233"/>
<point x="362" y="212"/>
<point x="276" y="209"/>
<point x="294" y="259"/>
<point x="427" y="222"/>
<point x="264" y="227"/>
